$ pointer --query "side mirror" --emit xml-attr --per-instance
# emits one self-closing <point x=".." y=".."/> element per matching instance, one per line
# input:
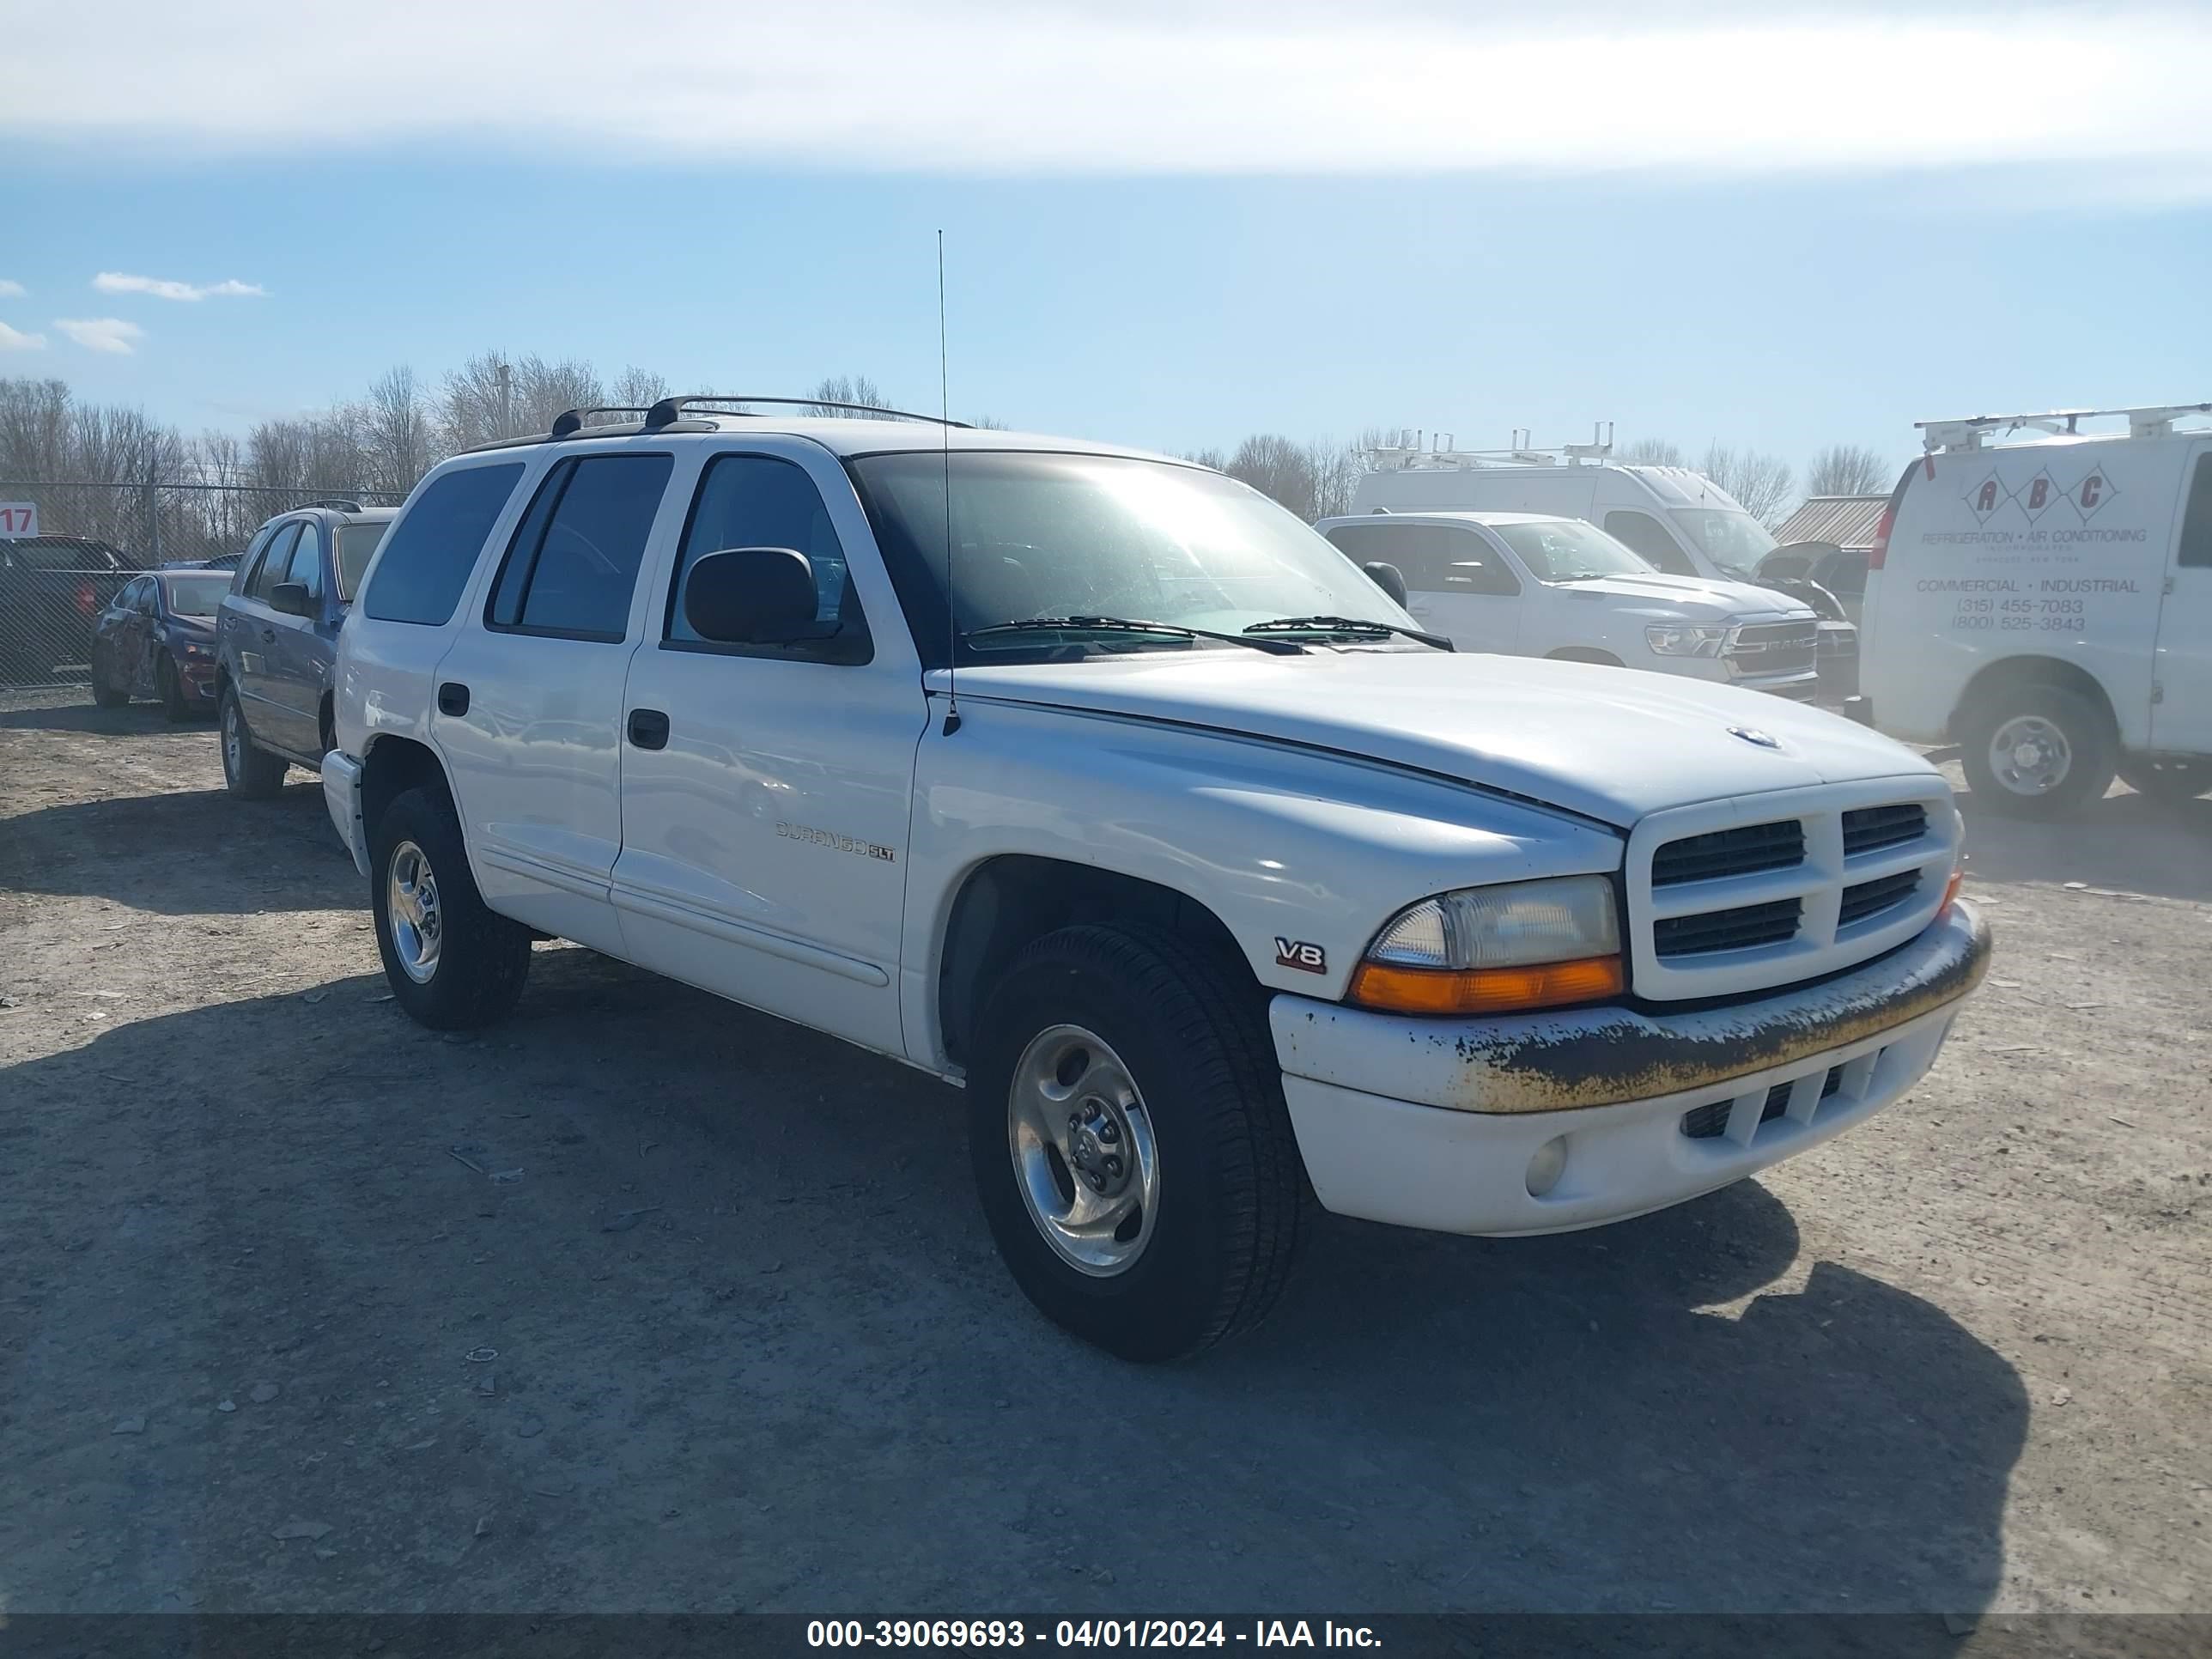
<point x="1388" y="578"/>
<point x="291" y="598"/>
<point x="751" y="596"/>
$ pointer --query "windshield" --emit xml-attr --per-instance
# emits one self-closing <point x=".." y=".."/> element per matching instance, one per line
<point x="1732" y="540"/>
<point x="357" y="544"/>
<point x="1044" y="535"/>
<point x="1566" y="550"/>
<point x="196" y="595"/>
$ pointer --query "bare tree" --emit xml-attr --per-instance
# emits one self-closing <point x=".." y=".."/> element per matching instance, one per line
<point x="848" y="389"/>
<point x="638" y="388"/>
<point x="392" y="427"/>
<point x="1313" y="480"/>
<point x="1849" y="470"/>
<point x="1213" y="458"/>
<point x="1761" y="482"/>
<point x="535" y="391"/>
<point x="1651" y="452"/>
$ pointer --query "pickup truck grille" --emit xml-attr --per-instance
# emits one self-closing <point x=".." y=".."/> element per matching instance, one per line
<point x="1739" y="852"/>
<point x="1773" y="647"/>
<point x="1759" y="891"/>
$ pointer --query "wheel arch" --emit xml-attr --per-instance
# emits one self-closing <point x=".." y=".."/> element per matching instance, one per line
<point x="390" y="764"/>
<point x="2012" y="674"/>
<point x="1004" y="902"/>
<point x="1584" y="654"/>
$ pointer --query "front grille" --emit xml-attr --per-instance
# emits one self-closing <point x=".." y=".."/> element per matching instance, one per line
<point x="1774" y="647"/>
<point x="1871" y="898"/>
<point x="1739" y="852"/>
<point x="1870" y="829"/>
<point x="1739" y="929"/>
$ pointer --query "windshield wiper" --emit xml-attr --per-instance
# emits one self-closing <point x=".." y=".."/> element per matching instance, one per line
<point x="1346" y="625"/>
<point x="1124" y="625"/>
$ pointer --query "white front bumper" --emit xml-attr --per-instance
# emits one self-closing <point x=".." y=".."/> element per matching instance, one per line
<point x="1444" y="1163"/>
<point x="342" y="797"/>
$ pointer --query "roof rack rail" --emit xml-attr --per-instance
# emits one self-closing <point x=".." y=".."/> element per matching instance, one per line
<point x="337" y="503"/>
<point x="2152" y="421"/>
<point x="668" y="410"/>
<point x="1437" y="454"/>
<point x="569" y="422"/>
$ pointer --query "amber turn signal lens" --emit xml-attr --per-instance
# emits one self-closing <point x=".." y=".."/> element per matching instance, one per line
<point x="1950" y="891"/>
<point x="1484" y="990"/>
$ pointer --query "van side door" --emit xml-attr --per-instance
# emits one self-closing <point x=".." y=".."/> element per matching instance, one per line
<point x="766" y="789"/>
<point x="2181" y="715"/>
<point x="527" y="701"/>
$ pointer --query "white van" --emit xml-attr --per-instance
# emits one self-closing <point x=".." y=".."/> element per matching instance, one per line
<point x="1532" y="584"/>
<point x="1681" y="521"/>
<point x="2047" y="606"/>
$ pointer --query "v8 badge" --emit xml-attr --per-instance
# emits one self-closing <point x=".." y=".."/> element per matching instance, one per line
<point x="1297" y="953"/>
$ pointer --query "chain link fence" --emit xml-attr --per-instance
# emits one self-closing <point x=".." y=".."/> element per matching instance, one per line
<point x="91" y="538"/>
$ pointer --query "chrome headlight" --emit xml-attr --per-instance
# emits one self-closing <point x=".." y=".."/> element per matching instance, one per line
<point x="1682" y="639"/>
<point x="1486" y="949"/>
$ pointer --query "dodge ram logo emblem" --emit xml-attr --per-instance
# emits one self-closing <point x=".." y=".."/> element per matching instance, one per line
<point x="1753" y="734"/>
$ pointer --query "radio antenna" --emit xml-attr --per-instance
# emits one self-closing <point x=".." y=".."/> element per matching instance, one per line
<point x="945" y="408"/>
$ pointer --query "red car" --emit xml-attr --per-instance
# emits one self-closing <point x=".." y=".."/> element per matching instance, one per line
<point x="156" y="639"/>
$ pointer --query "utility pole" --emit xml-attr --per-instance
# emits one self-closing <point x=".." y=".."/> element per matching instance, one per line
<point x="153" y="511"/>
<point x="506" y="402"/>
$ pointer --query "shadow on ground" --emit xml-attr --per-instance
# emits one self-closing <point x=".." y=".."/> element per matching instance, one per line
<point x="142" y="851"/>
<point x="754" y="1350"/>
<point x="2130" y="843"/>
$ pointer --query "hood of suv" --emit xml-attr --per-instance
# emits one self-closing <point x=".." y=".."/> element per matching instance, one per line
<point x="1692" y="598"/>
<point x="1610" y="743"/>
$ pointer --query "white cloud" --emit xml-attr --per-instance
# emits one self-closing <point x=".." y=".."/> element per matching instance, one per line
<point x="15" y="340"/>
<point x="1141" y="86"/>
<point x="10" y="291"/>
<point x="109" y="334"/>
<point x="161" y="287"/>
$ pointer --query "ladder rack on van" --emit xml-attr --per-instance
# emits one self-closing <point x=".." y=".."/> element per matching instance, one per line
<point x="2152" y="421"/>
<point x="1439" y="455"/>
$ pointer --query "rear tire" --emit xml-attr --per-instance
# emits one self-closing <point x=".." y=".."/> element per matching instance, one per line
<point x="251" y="774"/>
<point x="2039" y="751"/>
<point x="105" y="692"/>
<point x="452" y="963"/>
<point x="2172" y="782"/>
<point x="175" y="706"/>
<point x="1145" y="1043"/>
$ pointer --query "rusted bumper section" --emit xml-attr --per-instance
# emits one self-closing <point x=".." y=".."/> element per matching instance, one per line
<point x="1577" y="1057"/>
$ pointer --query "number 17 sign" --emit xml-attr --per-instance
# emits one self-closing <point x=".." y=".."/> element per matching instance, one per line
<point x="19" y="519"/>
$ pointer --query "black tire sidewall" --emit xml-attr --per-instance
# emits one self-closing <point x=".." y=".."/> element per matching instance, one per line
<point x="169" y="686"/>
<point x="481" y="956"/>
<point x="1165" y="1304"/>
<point x="2094" y="745"/>
<point x="260" y="775"/>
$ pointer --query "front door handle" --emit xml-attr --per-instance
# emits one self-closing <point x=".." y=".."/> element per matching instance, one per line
<point x="649" y="728"/>
<point x="452" y="698"/>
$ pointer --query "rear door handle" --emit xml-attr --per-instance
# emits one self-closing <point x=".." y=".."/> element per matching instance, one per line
<point x="452" y="698"/>
<point x="649" y="728"/>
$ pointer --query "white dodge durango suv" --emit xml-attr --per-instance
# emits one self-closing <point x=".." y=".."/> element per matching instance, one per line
<point x="1096" y="783"/>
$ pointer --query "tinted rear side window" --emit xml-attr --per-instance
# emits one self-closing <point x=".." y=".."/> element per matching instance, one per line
<point x="573" y="565"/>
<point x="2196" y="518"/>
<point x="428" y="554"/>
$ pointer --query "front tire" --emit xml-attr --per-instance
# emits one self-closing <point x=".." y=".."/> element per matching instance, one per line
<point x="250" y="774"/>
<point x="452" y="963"/>
<point x="1130" y="1145"/>
<point x="2171" y="780"/>
<point x="2039" y="751"/>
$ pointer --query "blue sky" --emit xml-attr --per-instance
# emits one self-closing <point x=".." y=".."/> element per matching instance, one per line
<point x="1173" y="300"/>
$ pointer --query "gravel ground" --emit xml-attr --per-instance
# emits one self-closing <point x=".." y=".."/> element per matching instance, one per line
<point x="646" y="1302"/>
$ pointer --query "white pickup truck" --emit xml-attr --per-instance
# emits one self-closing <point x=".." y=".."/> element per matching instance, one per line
<point x="1219" y="887"/>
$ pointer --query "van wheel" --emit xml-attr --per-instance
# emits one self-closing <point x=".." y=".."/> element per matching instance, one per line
<point x="452" y="963"/>
<point x="2039" y="751"/>
<point x="2167" y="779"/>
<point x="251" y="774"/>
<point x="1131" y="1147"/>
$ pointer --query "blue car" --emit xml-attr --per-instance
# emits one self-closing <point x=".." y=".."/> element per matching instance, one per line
<point x="155" y="639"/>
<point x="277" y="638"/>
